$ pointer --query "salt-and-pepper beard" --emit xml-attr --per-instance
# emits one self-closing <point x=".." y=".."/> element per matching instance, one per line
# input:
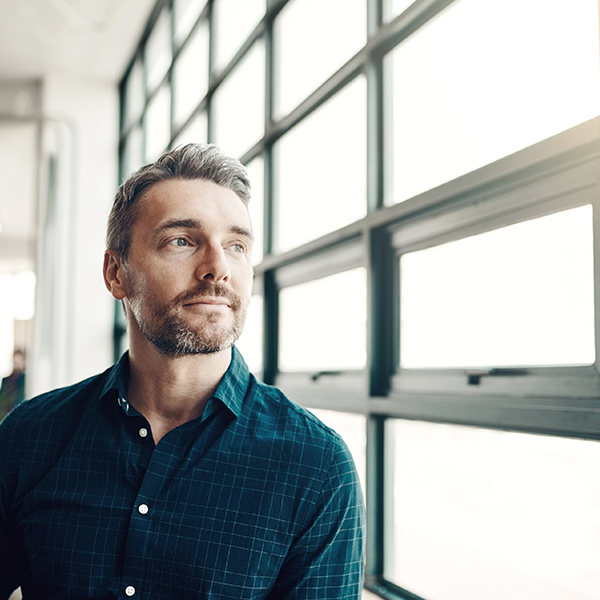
<point x="166" y="328"/>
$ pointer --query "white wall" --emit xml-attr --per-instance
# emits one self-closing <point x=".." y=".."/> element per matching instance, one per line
<point x="74" y="314"/>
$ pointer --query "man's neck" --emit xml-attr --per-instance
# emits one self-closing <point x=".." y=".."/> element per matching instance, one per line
<point x="171" y="391"/>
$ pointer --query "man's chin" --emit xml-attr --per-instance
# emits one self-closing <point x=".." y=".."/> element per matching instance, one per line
<point x="189" y="342"/>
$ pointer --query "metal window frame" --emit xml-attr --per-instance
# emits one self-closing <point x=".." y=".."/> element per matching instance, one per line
<point x="555" y="174"/>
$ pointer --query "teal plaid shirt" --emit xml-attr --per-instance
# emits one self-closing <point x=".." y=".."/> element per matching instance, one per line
<point x="256" y="499"/>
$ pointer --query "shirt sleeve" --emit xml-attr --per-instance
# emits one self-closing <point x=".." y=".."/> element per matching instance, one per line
<point x="326" y="562"/>
<point x="9" y="554"/>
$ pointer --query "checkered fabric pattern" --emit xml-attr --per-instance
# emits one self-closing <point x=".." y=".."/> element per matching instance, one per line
<point x="256" y="499"/>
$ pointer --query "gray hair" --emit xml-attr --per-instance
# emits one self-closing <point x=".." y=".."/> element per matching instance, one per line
<point x="192" y="161"/>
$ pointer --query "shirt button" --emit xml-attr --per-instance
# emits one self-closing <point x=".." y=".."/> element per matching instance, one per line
<point x="143" y="509"/>
<point x="143" y="432"/>
<point x="130" y="590"/>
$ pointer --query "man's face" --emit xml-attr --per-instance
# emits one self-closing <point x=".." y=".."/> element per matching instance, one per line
<point x="189" y="270"/>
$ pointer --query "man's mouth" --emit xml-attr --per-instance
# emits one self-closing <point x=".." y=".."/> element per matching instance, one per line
<point x="209" y="294"/>
<point x="213" y="301"/>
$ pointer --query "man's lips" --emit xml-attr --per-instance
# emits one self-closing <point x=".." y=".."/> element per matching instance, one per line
<point x="209" y="294"/>
<point x="213" y="301"/>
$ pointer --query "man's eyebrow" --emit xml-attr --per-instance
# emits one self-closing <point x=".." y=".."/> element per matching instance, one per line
<point x="197" y="224"/>
<point x="180" y="224"/>
<point x="242" y="231"/>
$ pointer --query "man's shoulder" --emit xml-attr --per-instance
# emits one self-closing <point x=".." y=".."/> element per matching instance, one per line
<point x="60" y="405"/>
<point x="295" y="442"/>
<point x="280" y="416"/>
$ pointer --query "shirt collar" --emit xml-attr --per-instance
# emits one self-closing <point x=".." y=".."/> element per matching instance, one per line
<point x="118" y="378"/>
<point x="234" y="384"/>
<point x="230" y="391"/>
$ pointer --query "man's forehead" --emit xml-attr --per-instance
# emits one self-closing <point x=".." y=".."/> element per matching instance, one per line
<point x="193" y="203"/>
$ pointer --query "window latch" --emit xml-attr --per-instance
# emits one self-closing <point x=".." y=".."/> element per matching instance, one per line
<point x="474" y="375"/>
<point x="316" y="376"/>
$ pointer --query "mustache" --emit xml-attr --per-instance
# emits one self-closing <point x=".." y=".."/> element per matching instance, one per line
<point x="206" y="288"/>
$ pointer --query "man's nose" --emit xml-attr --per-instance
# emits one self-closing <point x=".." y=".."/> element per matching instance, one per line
<point x="213" y="264"/>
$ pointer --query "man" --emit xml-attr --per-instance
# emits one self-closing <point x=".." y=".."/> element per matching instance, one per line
<point x="175" y="474"/>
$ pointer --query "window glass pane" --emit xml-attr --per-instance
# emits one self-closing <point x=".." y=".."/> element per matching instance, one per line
<point x="134" y="94"/>
<point x="234" y="22"/>
<point x="158" y="123"/>
<point x="462" y="97"/>
<point x="133" y="154"/>
<point x="250" y="342"/>
<point x="239" y="104"/>
<point x="520" y="295"/>
<point x="392" y="8"/>
<point x="493" y="514"/>
<point x="191" y="75"/>
<point x="334" y="309"/>
<point x="321" y="170"/>
<point x="301" y="67"/>
<point x="186" y="14"/>
<point x="158" y="51"/>
<point x="257" y="204"/>
<point x="352" y="428"/>
<point x="196" y="131"/>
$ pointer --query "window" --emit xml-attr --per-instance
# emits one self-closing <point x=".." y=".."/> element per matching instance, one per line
<point x="158" y="123"/>
<point x="134" y="94"/>
<point x="191" y="75"/>
<point x="466" y="302"/>
<point x="256" y="173"/>
<point x="310" y="170"/>
<point x="234" y="21"/>
<point x="158" y="51"/>
<point x="425" y="202"/>
<point x="462" y="97"/>
<point x="476" y="506"/>
<point x="186" y="13"/>
<point x="322" y="323"/>
<point x="236" y="130"/>
<point x="250" y="342"/>
<point x="294" y="26"/>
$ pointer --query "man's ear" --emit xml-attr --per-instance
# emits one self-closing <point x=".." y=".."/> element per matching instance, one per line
<point x="114" y="275"/>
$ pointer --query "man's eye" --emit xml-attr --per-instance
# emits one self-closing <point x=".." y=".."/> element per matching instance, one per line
<point x="181" y="242"/>
<point x="239" y="248"/>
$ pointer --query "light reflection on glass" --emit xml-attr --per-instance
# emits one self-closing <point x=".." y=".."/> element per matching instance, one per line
<point x="234" y="22"/>
<point x="322" y="323"/>
<point x="158" y="123"/>
<point x="186" y="15"/>
<point x="463" y="96"/>
<point x="134" y="93"/>
<point x="133" y="154"/>
<point x="519" y="295"/>
<point x="191" y="75"/>
<point x="314" y="27"/>
<point x="492" y="514"/>
<point x="236" y="130"/>
<point x="321" y="182"/>
<point x="158" y="52"/>
<point x="196" y="131"/>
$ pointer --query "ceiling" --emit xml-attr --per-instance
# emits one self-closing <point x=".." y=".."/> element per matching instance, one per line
<point x="91" y="38"/>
